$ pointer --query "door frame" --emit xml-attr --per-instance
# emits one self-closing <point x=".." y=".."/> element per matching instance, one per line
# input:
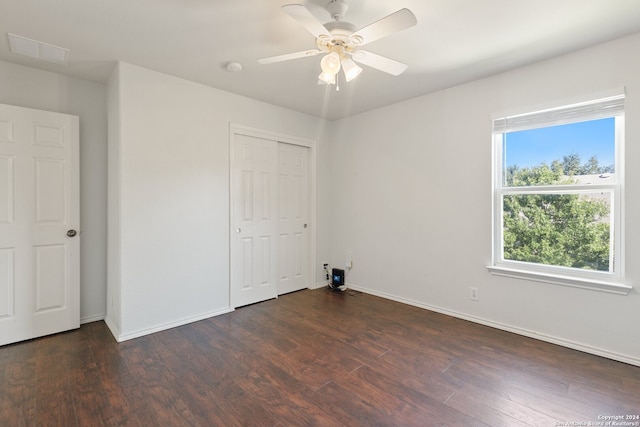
<point x="236" y="129"/>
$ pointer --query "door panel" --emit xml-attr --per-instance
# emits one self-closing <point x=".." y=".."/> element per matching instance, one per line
<point x="39" y="202"/>
<point x="50" y="190"/>
<point x="7" y="283"/>
<point x="253" y="243"/>
<point x="6" y="190"/>
<point x="293" y="215"/>
<point x="50" y="277"/>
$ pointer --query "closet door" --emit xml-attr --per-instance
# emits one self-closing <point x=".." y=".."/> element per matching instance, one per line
<point x="293" y="218"/>
<point x="254" y="220"/>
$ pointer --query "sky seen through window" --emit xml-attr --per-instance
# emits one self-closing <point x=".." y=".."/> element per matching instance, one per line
<point x="529" y="148"/>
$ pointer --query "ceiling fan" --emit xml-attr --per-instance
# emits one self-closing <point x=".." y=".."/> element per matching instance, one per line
<point x="341" y="43"/>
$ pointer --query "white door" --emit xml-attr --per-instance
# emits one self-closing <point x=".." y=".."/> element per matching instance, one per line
<point x="254" y="220"/>
<point x="39" y="219"/>
<point x="293" y="217"/>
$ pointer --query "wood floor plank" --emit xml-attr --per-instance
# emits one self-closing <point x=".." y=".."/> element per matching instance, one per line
<point x="426" y="377"/>
<point x="310" y="358"/>
<point x="17" y="389"/>
<point x="109" y="378"/>
<point x="54" y="397"/>
<point x="495" y="410"/>
<point x="606" y="399"/>
<point x="555" y="407"/>
<point x="394" y="397"/>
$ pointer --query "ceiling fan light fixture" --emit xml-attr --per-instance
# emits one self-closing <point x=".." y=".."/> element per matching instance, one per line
<point x="351" y="69"/>
<point x="330" y="63"/>
<point x="327" y="78"/>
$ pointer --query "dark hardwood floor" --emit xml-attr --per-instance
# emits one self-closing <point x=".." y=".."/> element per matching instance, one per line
<point x="312" y="358"/>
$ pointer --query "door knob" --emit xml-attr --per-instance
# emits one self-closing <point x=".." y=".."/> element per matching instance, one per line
<point x="238" y="230"/>
<point x="306" y="225"/>
<point x="71" y="233"/>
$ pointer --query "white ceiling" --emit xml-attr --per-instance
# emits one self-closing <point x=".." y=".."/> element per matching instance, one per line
<point x="455" y="41"/>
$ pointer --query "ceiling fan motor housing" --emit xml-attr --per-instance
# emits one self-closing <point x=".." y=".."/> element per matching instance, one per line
<point x="337" y="9"/>
<point x="340" y="30"/>
<point x="340" y="35"/>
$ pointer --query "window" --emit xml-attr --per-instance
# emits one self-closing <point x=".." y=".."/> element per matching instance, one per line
<point x="558" y="190"/>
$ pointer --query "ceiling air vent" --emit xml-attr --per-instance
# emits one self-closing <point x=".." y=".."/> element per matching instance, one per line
<point x="39" y="50"/>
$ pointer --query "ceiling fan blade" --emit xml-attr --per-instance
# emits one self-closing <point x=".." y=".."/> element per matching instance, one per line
<point x="390" y="24"/>
<point x="379" y="62"/>
<point x="302" y="15"/>
<point x="288" y="56"/>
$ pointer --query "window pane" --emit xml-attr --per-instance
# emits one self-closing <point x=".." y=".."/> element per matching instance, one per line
<point x="576" y="153"/>
<point x="568" y="230"/>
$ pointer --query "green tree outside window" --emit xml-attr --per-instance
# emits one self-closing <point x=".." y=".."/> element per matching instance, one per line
<point x="569" y="230"/>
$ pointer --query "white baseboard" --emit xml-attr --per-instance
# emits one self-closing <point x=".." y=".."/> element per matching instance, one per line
<point x="120" y="337"/>
<point x="527" y="333"/>
<point x="320" y="285"/>
<point x="112" y="327"/>
<point x="93" y="318"/>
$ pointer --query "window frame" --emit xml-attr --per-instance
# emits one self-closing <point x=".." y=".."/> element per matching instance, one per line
<point x="561" y="113"/>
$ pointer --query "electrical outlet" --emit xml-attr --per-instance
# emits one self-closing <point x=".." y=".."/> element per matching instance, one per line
<point x="347" y="259"/>
<point x="475" y="294"/>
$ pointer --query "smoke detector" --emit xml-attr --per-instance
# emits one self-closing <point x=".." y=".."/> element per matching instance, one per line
<point x="233" y="67"/>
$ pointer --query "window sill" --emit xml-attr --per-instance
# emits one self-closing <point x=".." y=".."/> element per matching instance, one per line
<point x="575" y="282"/>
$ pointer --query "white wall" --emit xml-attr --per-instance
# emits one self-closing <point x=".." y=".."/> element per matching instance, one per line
<point x="415" y="178"/>
<point x="113" y="284"/>
<point x="170" y="195"/>
<point x="31" y="88"/>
